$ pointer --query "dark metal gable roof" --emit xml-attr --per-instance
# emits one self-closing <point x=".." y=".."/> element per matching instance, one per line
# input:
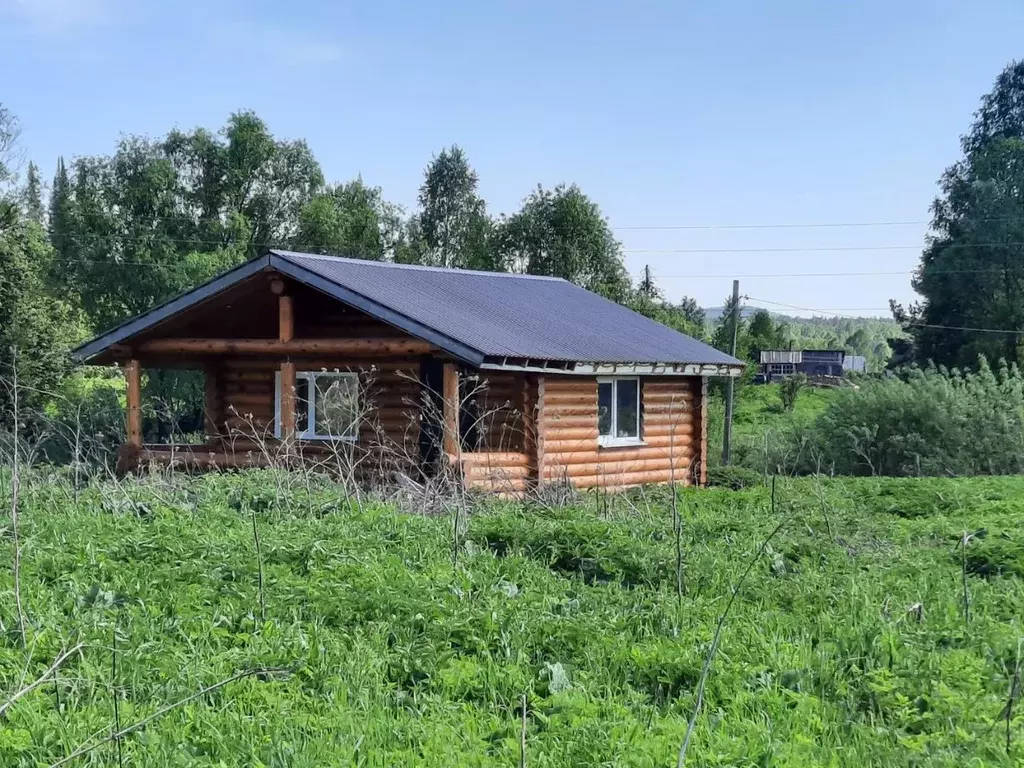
<point x="473" y="315"/>
<point x="519" y="316"/>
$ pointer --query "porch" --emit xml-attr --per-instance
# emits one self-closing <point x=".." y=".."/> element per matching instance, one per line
<point x="369" y="408"/>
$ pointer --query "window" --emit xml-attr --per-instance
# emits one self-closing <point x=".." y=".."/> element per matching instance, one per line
<point x="326" y="405"/>
<point x="781" y="369"/>
<point x="618" y="411"/>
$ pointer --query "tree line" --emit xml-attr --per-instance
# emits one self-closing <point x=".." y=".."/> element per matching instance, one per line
<point x="971" y="275"/>
<point x="192" y="204"/>
<point x="157" y="217"/>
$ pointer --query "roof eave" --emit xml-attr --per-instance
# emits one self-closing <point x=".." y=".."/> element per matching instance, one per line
<point x="731" y="370"/>
<point x="95" y="347"/>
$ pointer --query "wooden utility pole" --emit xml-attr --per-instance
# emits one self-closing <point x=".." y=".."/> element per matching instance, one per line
<point x="730" y="384"/>
<point x="647" y="284"/>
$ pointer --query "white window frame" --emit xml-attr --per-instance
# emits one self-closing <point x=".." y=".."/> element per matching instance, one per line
<point x="311" y="376"/>
<point x="611" y="441"/>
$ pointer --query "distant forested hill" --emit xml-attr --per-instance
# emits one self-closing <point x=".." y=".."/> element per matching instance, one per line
<point x="857" y="335"/>
<point x="866" y="336"/>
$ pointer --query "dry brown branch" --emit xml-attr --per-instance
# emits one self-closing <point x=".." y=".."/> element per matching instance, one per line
<point x="15" y="392"/>
<point x="259" y="567"/>
<point x="1014" y="692"/>
<point x="962" y="544"/>
<point x="522" y="734"/>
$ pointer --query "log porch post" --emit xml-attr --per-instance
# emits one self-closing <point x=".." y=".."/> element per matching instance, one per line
<point x="133" y="401"/>
<point x="287" y="400"/>
<point x="531" y="445"/>
<point x="702" y="447"/>
<point x="213" y="401"/>
<point x="540" y="425"/>
<point x="286" y="332"/>
<point x="285" y="318"/>
<point x="450" y="395"/>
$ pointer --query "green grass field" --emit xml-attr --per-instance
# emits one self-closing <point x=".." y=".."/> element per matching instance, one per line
<point x="759" y="415"/>
<point x="847" y="644"/>
<point x="759" y="408"/>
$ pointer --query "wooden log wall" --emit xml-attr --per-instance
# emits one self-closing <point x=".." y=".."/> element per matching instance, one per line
<point x="389" y="399"/>
<point x="568" y="434"/>
<point x="503" y="400"/>
<point x="371" y="347"/>
<point x="311" y="323"/>
<point x="701" y="448"/>
<point x="318" y="316"/>
<point x="503" y="472"/>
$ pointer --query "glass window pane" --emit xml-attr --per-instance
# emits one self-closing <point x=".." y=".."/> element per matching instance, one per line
<point x="337" y="407"/>
<point x="301" y="404"/>
<point x="604" y="408"/>
<point x="627" y="417"/>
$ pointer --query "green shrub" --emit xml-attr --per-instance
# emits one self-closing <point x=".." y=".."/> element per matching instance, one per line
<point x="736" y="478"/>
<point x="790" y="388"/>
<point x="994" y="556"/>
<point x="927" y="422"/>
<point x="84" y="420"/>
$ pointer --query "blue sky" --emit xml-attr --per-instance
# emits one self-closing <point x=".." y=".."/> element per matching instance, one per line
<point x="668" y="114"/>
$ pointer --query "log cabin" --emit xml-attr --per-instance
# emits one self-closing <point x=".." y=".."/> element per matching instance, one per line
<point x="508" y="381"/>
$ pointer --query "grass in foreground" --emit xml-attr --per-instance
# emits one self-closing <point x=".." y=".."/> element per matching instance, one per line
<point x="847" y="646"/>
<point x="759" y="411"/>
<point x="760" y="423"/>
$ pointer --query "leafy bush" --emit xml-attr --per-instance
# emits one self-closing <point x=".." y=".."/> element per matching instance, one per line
<point x="736" y="478"/>
<point x="992" y="556"/>
<point x="928" y="422"/>
<point x="761" y="427"/>
<point x="925" y="422"/>
<point x="790" y="388"/>
<point x="84" y="420"/>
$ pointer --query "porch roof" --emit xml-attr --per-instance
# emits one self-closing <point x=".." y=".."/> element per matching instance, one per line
<point x="483" y="318"/>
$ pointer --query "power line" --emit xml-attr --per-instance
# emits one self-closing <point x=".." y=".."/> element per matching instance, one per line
<point x="995" y="270"/>
<point x="794" y="225"/>
<point x="816" y="309"/>
<point x="806" y="225"/>
<point x="225" y="218"/>
<point x="850" y="309"/>
<point x="115" y="262"/>
<point x="804" y="249"/>
<point x="160" y="238"/>
<point x="810" y="274"/>
<point x="966" y="328"/>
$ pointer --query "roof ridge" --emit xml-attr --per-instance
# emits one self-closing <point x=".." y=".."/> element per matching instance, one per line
<point x="421" y="267"/>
